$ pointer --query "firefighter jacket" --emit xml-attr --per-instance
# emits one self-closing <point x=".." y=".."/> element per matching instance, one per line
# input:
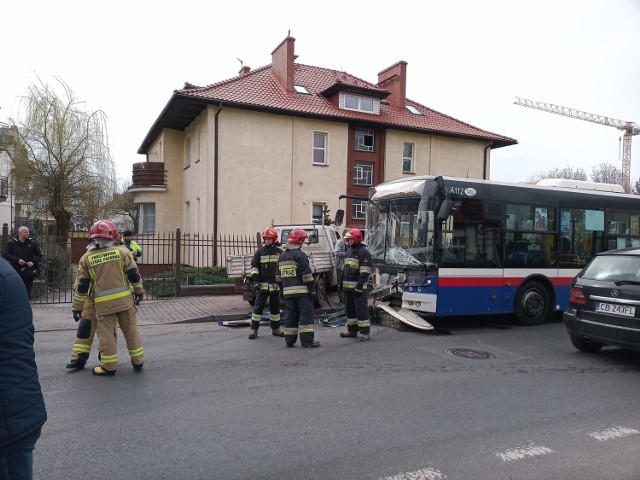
<point x="294" y="272"/>
<point x="264" y="267"/>
<point x="109" y="273"/>
<point x="357" y="268"/>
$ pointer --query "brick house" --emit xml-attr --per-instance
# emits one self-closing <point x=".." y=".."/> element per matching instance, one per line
<point x="280" y="144"/>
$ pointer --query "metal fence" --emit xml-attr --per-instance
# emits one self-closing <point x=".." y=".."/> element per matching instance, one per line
<point x="169" y="261"/>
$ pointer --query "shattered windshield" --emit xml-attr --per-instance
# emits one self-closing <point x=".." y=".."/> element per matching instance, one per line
<point x="400" y="233"/>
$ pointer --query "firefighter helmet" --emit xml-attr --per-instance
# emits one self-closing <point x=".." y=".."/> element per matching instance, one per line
<point x="297" y="236"/>
<point x="114" y="230"/>
<point x="270" y="233"/>
<point x="101" y="229"/>
<point x="355" y="234"/>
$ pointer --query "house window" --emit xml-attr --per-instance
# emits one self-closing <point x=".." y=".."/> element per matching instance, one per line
<point x="364" y="140"/>
<point x="363" y="173"/>
<point x="317" y="213"/>
<point x="319" y="148"/>
<point x="359" y="210"/>
<point x="4" y="187"/>
<point x="349" y="101"/>
<point x="413" y="110"/>
<point x="407" y="158"/>
<point x="187" y="152"/>
<point x="147" y="217"/>
<point x="301" y="89"/>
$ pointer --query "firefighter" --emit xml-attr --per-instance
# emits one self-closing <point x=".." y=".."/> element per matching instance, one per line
<point x="294" y="273"/>
<point x="110" y="273"/>
<point x="87" y="321"/>
<point x="355" y="285"/>
<point x="264" y="266"/>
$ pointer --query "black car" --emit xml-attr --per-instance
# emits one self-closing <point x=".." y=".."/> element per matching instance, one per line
<point x="604" y="302"/>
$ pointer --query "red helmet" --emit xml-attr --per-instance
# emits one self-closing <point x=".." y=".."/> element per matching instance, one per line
<point x="102" y="229"/>
<point x="298" y="236"/>
<point x="270" y="233"/>
<point x="114" y="230"/>
<point x="355" y="234"/>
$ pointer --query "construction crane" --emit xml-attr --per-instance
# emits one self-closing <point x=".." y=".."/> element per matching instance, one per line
<point x="629" y="129"/>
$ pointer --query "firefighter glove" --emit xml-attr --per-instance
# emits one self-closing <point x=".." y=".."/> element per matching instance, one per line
<point x="76" y="314"/>
<point x="257" y="286"/>
<point x="137" y="298"/>
<point x="359" y="287"/>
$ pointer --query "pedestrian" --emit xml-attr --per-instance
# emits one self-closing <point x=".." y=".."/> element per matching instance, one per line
<point x="131" y="244"/>
<point x="296" y="277"/>
<point x="25" y="256"/>
<point x="355" y="285"/>
<point x="110" y="273"/>
<point x="88" y="321"/>
<point x="264" y="267"/>
<point x="22" y="408"/>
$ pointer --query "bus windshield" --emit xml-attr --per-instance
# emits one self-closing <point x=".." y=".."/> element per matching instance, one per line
<point x="399" y="232"/>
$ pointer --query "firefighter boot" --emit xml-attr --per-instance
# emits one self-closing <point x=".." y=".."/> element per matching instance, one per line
<point x="79" y="362"/>
<point x="253" y="335"/>
<point x="276" y="332"/>
<point x="313" y="344"/>
<point x="363" y="337"/>
<point x="102" y="372"/>
<point x="137" y="366"/>
<point x="348" y="334"/>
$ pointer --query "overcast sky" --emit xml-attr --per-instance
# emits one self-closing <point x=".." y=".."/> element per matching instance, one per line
<point x="466" y="58"/>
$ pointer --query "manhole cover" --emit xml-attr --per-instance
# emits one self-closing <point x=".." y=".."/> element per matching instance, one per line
<point x="470" y="353"/>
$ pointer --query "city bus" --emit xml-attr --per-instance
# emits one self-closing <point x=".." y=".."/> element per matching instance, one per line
<point x="459" y="246"/>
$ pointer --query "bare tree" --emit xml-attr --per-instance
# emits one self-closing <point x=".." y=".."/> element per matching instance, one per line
<point x="606" y="173"/>
<point x="67" y="166"/>
<point x="566" y="172"/>
<point x="121" y="205"/>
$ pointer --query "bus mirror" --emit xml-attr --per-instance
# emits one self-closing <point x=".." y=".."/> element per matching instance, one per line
<point x="445" y="210"/>
<point x="339" y="217"/>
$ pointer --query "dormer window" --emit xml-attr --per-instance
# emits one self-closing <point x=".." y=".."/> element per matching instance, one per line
<point x="349" y="101"/>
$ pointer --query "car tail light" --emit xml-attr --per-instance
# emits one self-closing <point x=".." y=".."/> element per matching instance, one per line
<point x="576" y="295"/>
<point x="241" y="287"/>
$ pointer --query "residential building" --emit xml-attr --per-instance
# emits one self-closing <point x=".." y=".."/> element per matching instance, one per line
<point x="281" y="143"/>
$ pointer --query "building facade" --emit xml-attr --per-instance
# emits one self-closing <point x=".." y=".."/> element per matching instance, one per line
<point x="281" y="143"/>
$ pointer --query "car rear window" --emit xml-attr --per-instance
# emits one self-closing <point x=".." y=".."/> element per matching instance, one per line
<point x="613" y="268"/>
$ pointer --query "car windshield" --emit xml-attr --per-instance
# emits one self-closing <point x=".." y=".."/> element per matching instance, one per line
<point x="614" y="268"/>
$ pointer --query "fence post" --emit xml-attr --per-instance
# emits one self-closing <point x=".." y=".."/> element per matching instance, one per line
<point x="5" y="236"/>
<point x="178" y="260"/>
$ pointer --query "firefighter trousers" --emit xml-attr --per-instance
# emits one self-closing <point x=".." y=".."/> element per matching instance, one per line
<point x="298" y="319"/>
<point x="274" y="309"/>
<point x="128" y="323"/>
<point x="84" y="337"/>
<point x="357" y="310"/>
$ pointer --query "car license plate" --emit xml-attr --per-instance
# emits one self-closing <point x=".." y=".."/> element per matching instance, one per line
<point x="624" y="310"/>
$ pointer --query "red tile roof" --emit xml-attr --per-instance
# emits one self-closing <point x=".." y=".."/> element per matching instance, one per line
<point x="259" y="90"/>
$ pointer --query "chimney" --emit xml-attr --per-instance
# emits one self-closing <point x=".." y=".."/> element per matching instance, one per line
<point x="244" y="71"/>
<point x="282" y="63"/>
<point x="394" y="79"/>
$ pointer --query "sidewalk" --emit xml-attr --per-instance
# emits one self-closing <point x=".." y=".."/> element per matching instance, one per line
<point x="152" y="312"/>
<point x="211" y="308"/>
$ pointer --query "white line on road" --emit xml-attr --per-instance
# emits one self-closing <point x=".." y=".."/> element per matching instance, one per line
<point x="521" y="453"/>
<point x="422" y="474"/>
<point x="611" y="433"/>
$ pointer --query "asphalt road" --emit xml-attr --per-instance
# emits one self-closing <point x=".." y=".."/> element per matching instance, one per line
<point x="211" y="404"/>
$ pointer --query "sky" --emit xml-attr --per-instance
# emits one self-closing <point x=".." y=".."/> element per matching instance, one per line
<point x="466" y="58"/>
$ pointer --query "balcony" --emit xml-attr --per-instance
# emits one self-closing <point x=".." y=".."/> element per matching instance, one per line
<point x="149" y="176"/>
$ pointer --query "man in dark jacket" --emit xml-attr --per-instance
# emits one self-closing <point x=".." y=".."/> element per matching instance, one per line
<point x="24" y="255"/>
<point x="22" y="409"/>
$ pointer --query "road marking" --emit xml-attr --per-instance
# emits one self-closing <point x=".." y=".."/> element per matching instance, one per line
<point x="521" y="453"/>
<point x="422" y="474"/>
<point x="611" y="433"/>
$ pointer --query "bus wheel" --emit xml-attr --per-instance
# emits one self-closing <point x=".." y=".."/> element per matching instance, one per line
<point x="532" y="304"/>
<point x="321" y="291"/>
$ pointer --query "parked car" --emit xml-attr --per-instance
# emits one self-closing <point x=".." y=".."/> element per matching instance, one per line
<point x="604" y="302"/>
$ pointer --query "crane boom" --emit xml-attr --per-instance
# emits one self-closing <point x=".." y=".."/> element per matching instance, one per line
<point x="629" y="129"/>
